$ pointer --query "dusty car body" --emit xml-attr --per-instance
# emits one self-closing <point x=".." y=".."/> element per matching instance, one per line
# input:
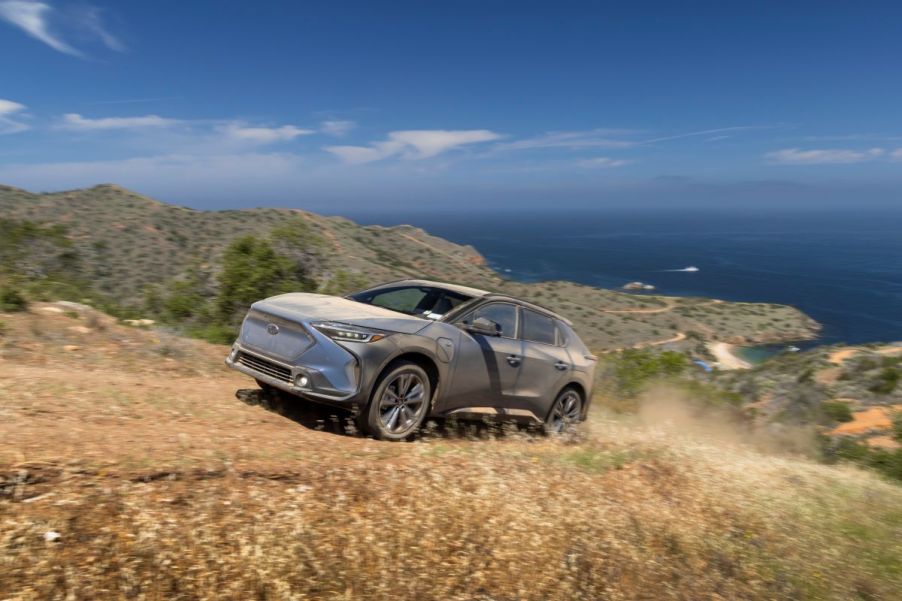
<point x="403" y="351"/>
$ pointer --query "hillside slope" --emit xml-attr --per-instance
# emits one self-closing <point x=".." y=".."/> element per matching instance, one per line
<point x="128" y="468"/>
<point x="128" y="242"/>
<point x="853" y="392"/>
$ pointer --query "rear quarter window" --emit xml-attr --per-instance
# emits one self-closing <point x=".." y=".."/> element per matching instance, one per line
<point x="538" y="328"/>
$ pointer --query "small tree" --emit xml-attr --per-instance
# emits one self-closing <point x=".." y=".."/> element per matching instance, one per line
<point x="251" y="270"/>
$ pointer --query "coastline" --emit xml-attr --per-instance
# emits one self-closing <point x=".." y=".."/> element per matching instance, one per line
<point x="726" y="356"/>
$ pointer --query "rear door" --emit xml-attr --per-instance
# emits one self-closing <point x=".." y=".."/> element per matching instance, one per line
<point x="486" y="367"/>
<point x="546" y="363"/>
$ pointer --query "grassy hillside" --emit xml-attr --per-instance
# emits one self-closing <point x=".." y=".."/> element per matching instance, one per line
<point x="129" y="469"/>
<point x="132" y="248"/>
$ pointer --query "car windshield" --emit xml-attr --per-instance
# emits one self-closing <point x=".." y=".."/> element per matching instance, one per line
<point x="423" y="301"/>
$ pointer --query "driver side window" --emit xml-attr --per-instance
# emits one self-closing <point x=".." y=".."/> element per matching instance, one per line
<point x="504" y="315"/>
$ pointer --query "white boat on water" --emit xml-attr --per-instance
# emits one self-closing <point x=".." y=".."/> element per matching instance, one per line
<point x="690" y="268"/>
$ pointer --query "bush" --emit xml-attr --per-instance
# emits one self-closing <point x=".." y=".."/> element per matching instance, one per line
<point x="888" y="463"/>
<point x="11" y="300"/>
<point x="251" y="270"/>
<point x="837" y="411"/>
<point x="886" y="382"/>
<point x="632" y="369"/>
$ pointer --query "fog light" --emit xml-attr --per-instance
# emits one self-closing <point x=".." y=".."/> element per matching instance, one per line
<point x="302" y="381"/>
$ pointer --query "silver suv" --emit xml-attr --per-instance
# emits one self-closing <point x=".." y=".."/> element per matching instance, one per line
<point x="403" y="351"/>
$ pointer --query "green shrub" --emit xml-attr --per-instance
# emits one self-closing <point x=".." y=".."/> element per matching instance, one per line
<point x="888" y="463"/>
<point x="632" y="369"/>
<point x="887" y="380"/>
<point x="837" y="411"/>
<point x="251" y="270"/>
<point x="215" y="333"/>
<point x="11" y="300"/>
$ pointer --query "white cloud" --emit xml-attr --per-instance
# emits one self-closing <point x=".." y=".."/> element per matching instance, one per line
<point x="337" y="128"/>
<point x="824" y="156"/>
<point x="604" y="162"/>
<point x="92" y="21"/>
<point x="75" y="122"/>
<point x="413" y="144"/>
<point x="8" y="111"/>
<point x="593" y="138"/>
<point x="263" y="135"/>
<point x="709" y="132"/>
<point x="31" y="17"/>
<point x="34" y="18"/>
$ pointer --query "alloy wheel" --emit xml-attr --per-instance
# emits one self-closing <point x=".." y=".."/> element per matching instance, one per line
<point x="566" y="411"/>
<point x="402" y="402"/>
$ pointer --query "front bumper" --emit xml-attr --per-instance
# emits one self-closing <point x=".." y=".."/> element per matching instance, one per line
<point x="302" y="380"/>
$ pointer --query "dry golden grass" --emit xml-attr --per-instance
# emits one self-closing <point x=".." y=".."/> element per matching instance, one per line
<point x="176" y="490"/>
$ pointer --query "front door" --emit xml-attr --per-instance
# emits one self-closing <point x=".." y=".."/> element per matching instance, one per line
<point x="486" y="367"/>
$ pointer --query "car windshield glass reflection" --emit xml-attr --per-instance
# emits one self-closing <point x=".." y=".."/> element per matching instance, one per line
<point x="422" y="301"/>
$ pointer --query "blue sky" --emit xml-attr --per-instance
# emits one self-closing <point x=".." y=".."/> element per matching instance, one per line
<point x="344" y="106"/>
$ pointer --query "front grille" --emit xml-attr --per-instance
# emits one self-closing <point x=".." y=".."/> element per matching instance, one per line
<point x="273" y="370"/>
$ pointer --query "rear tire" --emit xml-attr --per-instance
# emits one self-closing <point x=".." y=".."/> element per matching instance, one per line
<point x="565" y="413"/>
<point x="399" y="404"/>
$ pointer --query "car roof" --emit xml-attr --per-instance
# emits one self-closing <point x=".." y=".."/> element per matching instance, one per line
<point x="474" y="292"/>
<point x="477" y="293"/>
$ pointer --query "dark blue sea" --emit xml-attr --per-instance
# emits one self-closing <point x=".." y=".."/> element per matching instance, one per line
<point x="842" y="267"/>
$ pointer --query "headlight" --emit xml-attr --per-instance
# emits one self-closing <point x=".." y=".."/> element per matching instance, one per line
<point x="343" y="331"/>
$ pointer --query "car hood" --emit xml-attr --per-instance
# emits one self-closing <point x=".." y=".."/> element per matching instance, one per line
<point x="303" y="306"/>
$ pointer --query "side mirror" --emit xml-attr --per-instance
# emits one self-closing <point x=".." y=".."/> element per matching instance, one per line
<point x="483" y="327"/>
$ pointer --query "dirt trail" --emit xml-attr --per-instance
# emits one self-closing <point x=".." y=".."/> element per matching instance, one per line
<point x="677" y="338"/>
<point x="840" y="355"/>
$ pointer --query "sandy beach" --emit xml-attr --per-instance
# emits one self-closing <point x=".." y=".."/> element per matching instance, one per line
<point x="726" y="358"/>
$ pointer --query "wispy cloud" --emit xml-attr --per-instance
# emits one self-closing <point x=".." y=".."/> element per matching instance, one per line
<point x="337" y="127"/>
<point x="263" y="135"/>
<point x="75" y="122"/>
<point x="823" y="156"/>
<point x="32" y="18"/>
<point x="9" y="110"/>
<point x="603" y="162"/>
<point x="45" y="23"/>
<point x="132" y="100"/>
<point x="413" y="144"/>
<point x="710" y="132"/>
<point x="593" y="138"/>
<point x="92" y="20"/>
<point x="615" y="138"/>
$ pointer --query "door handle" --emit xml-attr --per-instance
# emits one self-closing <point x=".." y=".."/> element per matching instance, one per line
<point x="513" y="360"/>
<point x="561" y="366"/>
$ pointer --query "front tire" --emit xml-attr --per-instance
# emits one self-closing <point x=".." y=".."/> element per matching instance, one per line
<point x="399" y="403"/>
<point x="565" y="412"/>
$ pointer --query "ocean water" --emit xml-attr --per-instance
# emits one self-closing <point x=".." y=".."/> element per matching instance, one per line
<point x="842" y="267"/>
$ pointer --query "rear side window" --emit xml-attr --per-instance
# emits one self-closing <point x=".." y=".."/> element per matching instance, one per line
<point x="503" y="314"/>
<point x="537" y="328"/>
